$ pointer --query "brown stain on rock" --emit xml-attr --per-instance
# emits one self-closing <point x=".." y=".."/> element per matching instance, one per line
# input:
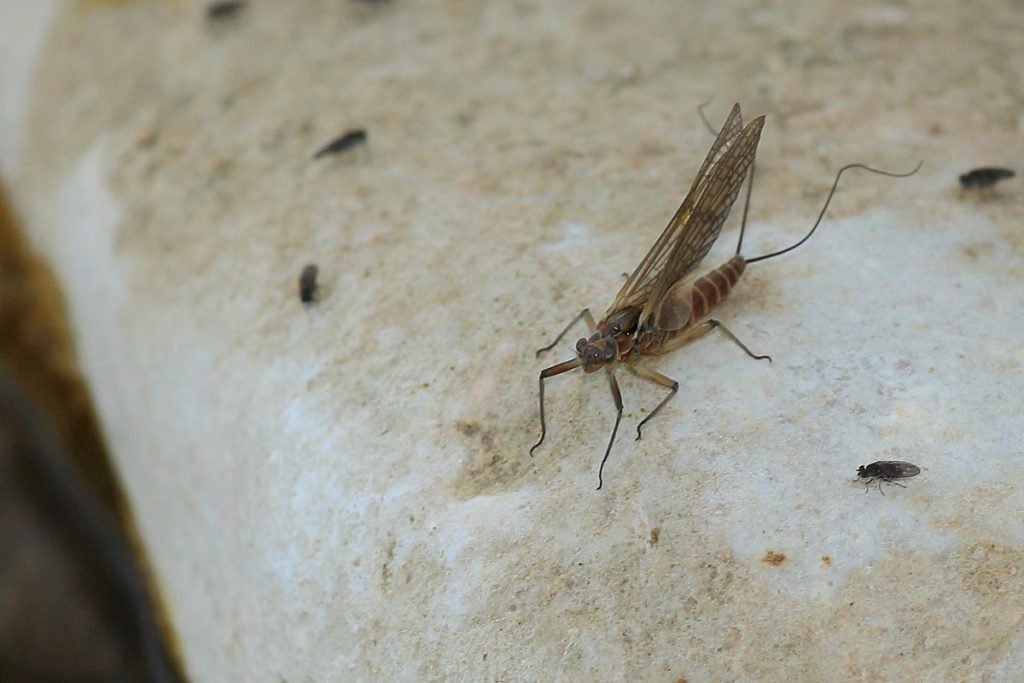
<point x="474" y="430"/>
<point x="934" y="616"/>
<point x="385" y="567"/>
<point x="487" y="466"/>
<point x="773" y="558"/>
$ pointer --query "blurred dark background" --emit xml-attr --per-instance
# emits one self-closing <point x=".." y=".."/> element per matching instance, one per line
<point x="73" y="604"/>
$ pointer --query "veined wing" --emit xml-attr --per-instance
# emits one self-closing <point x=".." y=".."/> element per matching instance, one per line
<point x="637" y="287"/>
<point x="704" y="222"/>
<point x="897" y="469"/>
<point x="730" y="129"/>
<point x="696" y="224"/>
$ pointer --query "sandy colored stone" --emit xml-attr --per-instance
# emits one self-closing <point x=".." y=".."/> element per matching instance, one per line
<point x="344" y="492"/>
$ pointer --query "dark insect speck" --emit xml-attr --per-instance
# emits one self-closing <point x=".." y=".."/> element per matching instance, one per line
<point x="986" y="176"/>
<point x="307" y="284"/>
<point x="886" y="471"/>
<point x="224" y="9"/>
<point x="340" y="144"/>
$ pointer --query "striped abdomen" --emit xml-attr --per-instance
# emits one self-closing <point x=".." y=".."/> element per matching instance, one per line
<point x="710" y="290"/>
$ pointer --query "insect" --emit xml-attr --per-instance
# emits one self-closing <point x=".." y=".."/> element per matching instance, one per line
<point x="224" y="9"/>
<point x="342" y="143"/>
<point x="307" y="284"/>
<point x="886" y="471"/>
<point x="661" y="307"/>
<point x="987" y="176"/>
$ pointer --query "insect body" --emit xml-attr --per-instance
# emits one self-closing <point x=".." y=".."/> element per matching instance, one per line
<point x="224" y="9"/>
<point x="886" y="471"/>
<point x="986" y="176"/>
<point x="342" y="143"/>
<point x="660" y="307"/>
<point x="307" y="284"/>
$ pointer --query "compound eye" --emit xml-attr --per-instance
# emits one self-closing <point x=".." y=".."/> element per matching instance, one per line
<point x="580" y="344"/>
<point x="616" y="328"/>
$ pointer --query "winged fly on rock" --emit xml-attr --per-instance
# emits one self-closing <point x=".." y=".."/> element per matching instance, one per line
<point x="886" y="471"/>
<point x="985" y="177"/>
<point x="662" y="306"/>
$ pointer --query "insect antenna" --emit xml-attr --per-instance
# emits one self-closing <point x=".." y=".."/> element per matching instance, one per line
<point x="704" y="118"/>
<point x="828" y="200"/>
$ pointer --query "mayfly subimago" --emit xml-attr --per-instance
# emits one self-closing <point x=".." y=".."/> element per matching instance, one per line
<point x="661" y="307"/>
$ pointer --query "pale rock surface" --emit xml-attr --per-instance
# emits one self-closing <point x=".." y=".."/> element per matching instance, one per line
<point x="343" y="492"/>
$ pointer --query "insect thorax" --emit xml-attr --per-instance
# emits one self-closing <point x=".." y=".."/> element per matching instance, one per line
<point x="612" y="341"/>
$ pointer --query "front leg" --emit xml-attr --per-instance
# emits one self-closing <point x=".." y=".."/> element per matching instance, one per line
<point x="617" y="397"/>
<point x="545" y="373"/>
<point x="585" y="313"/>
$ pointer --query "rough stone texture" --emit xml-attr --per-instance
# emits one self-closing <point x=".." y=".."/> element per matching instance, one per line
<point x="344" y="492"/>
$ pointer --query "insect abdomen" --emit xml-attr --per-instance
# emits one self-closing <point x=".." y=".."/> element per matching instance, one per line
<point x="711" y="289"/>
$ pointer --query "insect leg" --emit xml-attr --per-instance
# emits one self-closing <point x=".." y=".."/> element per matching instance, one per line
<point x="699" y="330"/>
<point x="716" y="323"/>
<point x="672" y="385"/>
<point x="617" y="397"/>
<point x="585" y="313"/>
<point x="550" y="372"/>
<point x="658" y="378"/>
<point x="893" y="482"/>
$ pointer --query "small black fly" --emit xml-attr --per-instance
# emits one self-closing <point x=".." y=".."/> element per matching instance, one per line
<point x="886" y="471"/>
<point x="224" y="9"/>
<point x="340" y="144"/>
<point x="307" y="284"/>
<point x="987" y="176"/>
